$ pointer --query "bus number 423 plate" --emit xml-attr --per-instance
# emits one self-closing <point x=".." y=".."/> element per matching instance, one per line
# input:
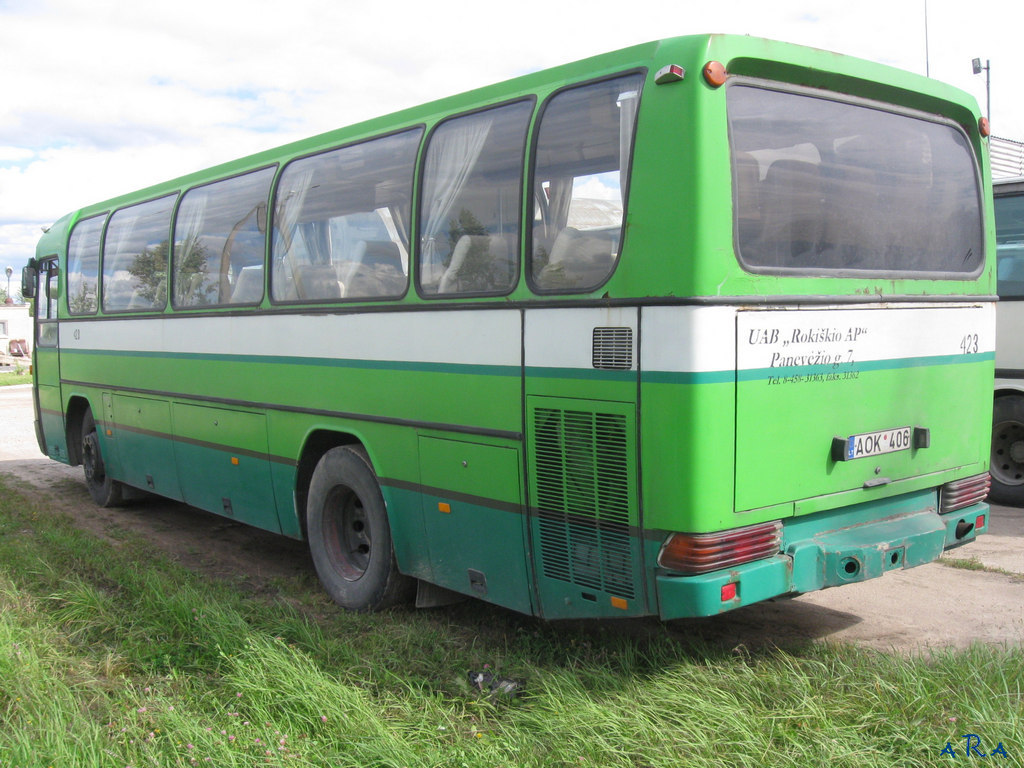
<point x="876" y="443"/>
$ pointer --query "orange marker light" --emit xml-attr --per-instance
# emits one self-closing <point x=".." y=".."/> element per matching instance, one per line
<point x="444" y="507"/>
<point x="983" y="127"/>
<point x="234" y="460"/>
<point x="620" y="603"/>
<point x="715" y="74"/>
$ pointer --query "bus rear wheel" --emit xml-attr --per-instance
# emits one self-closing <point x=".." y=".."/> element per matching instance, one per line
<point x="104" y="491"/>
<point x="349" y="535"/>
<point x="1007" y="462"/>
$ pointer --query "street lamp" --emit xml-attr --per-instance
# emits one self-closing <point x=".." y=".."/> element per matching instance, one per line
<point x="976" y="64"/>
<point x="9" y="271"/>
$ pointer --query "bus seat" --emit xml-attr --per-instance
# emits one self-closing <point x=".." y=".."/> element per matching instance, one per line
<point x="490" y="254"/>
<point x="249" y="286"/>
<point x="139" y="301"/>
<point x="318" y="281"/>
<point x="793" y="212"/>
<point x="851" y="200"/>
<point x="746" y="196"/>
<point x="378" y="272"/>
<point x="188" y="288"/>
<point x="351" y="263"/>
<point x="579" y="258"/>
<point x="383" y="253"/>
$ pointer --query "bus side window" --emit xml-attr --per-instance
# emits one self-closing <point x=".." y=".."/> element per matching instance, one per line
<point x="582" y="160"/>
<point x="84" y="266"/>
<point x="470" y="207"/>
<point x="219" y="242"/>
<point x="135" y="257"/>
<point x="341" y="222"/>
<point x="52" y="292"/>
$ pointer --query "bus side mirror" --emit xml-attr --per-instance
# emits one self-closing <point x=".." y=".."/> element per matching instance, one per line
<point x="28" y="282"/>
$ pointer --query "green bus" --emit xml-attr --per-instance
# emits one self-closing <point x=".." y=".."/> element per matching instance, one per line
<point x="668" y="331"/>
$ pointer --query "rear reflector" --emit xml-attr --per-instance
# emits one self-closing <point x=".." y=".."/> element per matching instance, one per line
<point x="705" y="552"/>
<point x="962" y="493"/>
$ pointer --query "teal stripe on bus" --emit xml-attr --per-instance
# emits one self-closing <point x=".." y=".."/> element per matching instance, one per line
<point x="756" y="374"/>
<point x="587" y="374"/>
<point x="688" y="377"/>
<point x="901" y="363"/>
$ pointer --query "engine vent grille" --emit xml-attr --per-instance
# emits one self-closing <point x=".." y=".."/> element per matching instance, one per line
<point x="613" y="349"/>
<point x="582" y="493"/>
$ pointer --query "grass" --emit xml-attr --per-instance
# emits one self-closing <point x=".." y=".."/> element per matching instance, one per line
<point x="974" y="564"/>
<point x="19" y="375"/>
<point x="111" y="654"/>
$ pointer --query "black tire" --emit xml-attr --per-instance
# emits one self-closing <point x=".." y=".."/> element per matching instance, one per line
<point x="349" y="535"/>
<point x="104" y="491"/>
<point x="1007" y="463"/>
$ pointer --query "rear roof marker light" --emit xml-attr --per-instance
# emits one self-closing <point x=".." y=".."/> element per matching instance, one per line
<point x="673" y="73"/>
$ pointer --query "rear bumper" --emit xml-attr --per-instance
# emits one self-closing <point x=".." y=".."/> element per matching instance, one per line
<point x="827" y="550"/>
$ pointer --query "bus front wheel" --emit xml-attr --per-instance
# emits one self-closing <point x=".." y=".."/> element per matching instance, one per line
<point x="104" y="491"/>
<point x="1007" y="463"/>
<point x="349" y="536"/>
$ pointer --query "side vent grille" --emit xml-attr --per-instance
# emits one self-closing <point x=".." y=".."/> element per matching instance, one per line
<point x="613" y="349"/>
<point x="583" y="499"/>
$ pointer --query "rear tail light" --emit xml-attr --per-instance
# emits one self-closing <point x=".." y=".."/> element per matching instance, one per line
<point x="962" y="493"/>
<point x="705" y="552"/>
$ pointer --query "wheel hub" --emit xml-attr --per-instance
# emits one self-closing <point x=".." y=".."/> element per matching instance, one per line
<point x="1007" y="465"/>
<point x="92" y="461"/>
<point x="348" y="534"/>
<point x="1017" y="451"/>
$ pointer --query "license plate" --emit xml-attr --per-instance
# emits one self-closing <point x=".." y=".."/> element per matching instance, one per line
<point x="876" y="443"/>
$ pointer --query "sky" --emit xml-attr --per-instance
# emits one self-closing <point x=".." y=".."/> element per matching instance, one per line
<point x="101" y="97"/>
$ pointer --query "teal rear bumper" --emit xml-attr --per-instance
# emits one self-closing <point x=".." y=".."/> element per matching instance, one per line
<point x="827" y="550"/>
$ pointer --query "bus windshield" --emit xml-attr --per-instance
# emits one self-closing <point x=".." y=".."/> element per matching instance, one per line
<point x="828" y="187"/>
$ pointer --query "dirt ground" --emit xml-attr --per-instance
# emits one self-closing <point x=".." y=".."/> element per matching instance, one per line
<point x="931" y="606"/>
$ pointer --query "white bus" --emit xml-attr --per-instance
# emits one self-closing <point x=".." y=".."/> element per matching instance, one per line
<point x="1007" y="466"/>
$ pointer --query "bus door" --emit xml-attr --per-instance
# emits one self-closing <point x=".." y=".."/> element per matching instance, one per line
<point x="581" y="371"/>
<point x="46" y="362"/>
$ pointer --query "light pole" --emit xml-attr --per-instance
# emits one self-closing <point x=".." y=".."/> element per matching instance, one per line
<point x="976" y="64"/>
<point x="9" y="271"/>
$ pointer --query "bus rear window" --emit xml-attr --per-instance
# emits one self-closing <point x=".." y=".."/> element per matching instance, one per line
<point x="830" y="187"/>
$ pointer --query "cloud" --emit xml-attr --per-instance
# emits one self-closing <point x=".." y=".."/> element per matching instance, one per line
<point x="105" y="97"/>
<point x="17" y="239"/>
<point x="14" y="155"/>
